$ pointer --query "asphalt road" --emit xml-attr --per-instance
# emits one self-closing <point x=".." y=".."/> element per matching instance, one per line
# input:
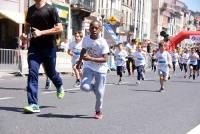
<point x="127" y="109"/>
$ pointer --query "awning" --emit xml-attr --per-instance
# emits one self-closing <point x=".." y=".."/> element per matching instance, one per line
<point x="14" y="16"/>
<point x="110" y="35"/>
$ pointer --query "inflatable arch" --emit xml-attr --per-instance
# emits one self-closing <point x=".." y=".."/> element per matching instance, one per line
<point x="181" y="36"/>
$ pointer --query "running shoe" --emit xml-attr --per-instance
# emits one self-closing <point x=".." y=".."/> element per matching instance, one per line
<point x="137" y="83"/>
<point x="60" y="92"/>
<point x="77" y="84"/>
<point x="98" y="115"/>
<point x="193" y="76"/>
<point x="48" y="85"/>
<point x="190" y="76"/>
<point x="32" y="108"/>
<point x="161" y="89"/>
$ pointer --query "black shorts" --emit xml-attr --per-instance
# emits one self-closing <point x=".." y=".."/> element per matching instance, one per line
<point x="193" y="66"/>
<point x="120" y="69"/>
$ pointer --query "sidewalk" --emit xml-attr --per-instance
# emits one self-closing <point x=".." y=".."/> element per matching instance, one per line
<point x="7" y="74"/>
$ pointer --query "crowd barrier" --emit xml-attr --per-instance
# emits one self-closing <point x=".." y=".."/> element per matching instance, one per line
<point x="9" y="60"/>
<point x="16" y="61"/>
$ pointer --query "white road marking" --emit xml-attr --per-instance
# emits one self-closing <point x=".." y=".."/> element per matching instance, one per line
<point x="6" y="98"/>
<point x="71" y="89"/>
<point x="195" y="130"/>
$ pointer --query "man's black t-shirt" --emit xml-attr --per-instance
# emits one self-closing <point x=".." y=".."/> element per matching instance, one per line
<point x="42" y="19"/>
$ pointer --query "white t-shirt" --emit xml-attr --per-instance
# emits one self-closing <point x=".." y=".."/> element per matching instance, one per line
<point x="130" y="49"/>
<point x="163" y="60"/>
<point x="174" y="57"/>
<point x="193" y="59"/>
<point x="120" y="57"/>
<point x="76" y="50"/>
<point x="139" y="58"/>
<point x="96" y="48"/>
<point x="185" y="58"/>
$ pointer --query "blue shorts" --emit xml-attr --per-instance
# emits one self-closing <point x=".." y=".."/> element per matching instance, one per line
<point x="162" y="73"/>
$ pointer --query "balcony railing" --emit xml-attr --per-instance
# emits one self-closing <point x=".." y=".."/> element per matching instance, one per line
<point x="87" y="5"/>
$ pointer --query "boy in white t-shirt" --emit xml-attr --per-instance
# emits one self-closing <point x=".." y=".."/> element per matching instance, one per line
<point x="184" y="61"/>
<point x="74" y="51"/>
<point x="120" y="60"/>
<point x="164" y="63"/>
<point x="95" y="54"/>
<point x="140" y="61"/>
<point x="193" y="62"/>
<point x="175" y="57"/>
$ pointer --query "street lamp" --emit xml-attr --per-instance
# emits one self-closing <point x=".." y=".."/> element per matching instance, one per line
<point x="102" y="22"/>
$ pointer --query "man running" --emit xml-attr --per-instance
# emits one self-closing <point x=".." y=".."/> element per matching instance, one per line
<point x="43" y="22"/>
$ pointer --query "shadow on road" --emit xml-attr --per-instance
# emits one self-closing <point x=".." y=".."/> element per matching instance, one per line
<point x="185" y="81"/>
<point x="12" y="88"/>
<point x="50" y="115"/>
<point x="20" y="110"/>
<point x="143" y="90"/>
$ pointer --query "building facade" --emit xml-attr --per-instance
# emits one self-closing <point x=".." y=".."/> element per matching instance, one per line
<point x="11" y="20"/>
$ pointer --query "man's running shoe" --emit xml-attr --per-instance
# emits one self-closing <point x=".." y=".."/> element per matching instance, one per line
<point x="60" y="92"/>
<point x="33" y="108"/>
<point x="99" y="115"/>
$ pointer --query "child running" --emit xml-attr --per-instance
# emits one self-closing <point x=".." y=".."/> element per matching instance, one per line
<point x="140" y="61"/>
<point x="193" y="61"/>
<point x="95" y="54"/>
<point x="175" y="57"/>
<point x="184" y="61"/>
<point x="74" y="51"/>
<point x="153" y="61"/>
<point x="120" y="61"/>
<point x="164" y="63"/>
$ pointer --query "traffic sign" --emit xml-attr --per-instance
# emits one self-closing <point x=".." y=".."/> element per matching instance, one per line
<point x="112" y="20"/>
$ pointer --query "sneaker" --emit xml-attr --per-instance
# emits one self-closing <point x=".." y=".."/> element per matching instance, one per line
<point x="98" y="115"/>
<point x="48" y="85"/>
<point x="77" y="84"/>
<point x="161" y="89"/>
<point x="60" y="92"/>
<point x="33" y="108"/>
<point x="185" y="76"/>
<point x="137" y="83"/>
<point x="193" y="77"/>
<point x="190" y="76"/>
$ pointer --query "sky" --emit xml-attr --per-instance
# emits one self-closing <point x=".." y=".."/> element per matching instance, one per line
<point x="192" y="4"/>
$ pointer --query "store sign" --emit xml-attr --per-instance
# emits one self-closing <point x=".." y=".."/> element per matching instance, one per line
<point x="195" y="38"/>
<point x="63" y="12"/>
